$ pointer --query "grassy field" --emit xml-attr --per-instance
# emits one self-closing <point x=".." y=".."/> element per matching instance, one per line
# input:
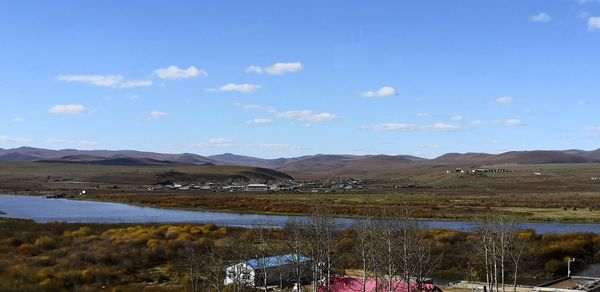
<point x="580" y="207"/>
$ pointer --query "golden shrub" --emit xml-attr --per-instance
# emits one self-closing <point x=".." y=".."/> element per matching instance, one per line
<point x="196" y="230"/>
<point x="12" y="241"/>
<point x="28" y="249"/>
<point x="153" y="243"/>
<point x="45" y="242"/>
<point x="81" y="232"/>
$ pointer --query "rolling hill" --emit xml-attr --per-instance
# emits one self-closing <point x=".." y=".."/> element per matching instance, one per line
<point x="310" y="166"/>
<point x="30" y="154"/>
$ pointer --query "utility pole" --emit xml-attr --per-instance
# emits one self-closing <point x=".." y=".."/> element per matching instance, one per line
<point x="571" y="260"/>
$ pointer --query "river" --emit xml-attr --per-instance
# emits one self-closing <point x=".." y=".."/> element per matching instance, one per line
<point x="45" y="210"/>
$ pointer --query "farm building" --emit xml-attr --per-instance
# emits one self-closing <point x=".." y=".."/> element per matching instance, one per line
<point x="278" y="269"/>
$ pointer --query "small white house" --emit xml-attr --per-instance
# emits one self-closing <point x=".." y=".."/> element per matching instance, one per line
<point x="257" y="188"/>
<point x="251" y="273"/>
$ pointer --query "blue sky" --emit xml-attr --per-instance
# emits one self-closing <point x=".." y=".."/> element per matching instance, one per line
<point x="288" y="78"/>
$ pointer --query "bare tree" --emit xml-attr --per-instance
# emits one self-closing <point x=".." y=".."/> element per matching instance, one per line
<point x="495" y="237"/>
<point x="213" y="267"/>
<point x="519" y="249"/>
<point x="388" y="234"/>
<point x="295" y="233"/>
<point x="322" y="243"/>
<point x="408" y="235"/>
<point x="263" y="249"/>
<point x="425" y="261"/>
<point x="505" y="236"/>
<point x="482" y="243"/>
<point x="193" y="265"/>
<point x="365" y="246"/>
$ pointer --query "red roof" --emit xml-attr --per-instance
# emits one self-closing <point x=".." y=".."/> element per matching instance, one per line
<point x="350" y="284"/>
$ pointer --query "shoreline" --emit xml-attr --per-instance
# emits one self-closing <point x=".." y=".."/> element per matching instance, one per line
<point x="256" y="212"/>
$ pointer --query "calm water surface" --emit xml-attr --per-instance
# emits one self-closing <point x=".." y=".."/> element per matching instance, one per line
<point x="45" y="210"/>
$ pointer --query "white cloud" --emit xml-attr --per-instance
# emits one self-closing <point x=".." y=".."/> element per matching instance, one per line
<point x="244" y="88"/>
<point x="68" y="109"/>
<point x="276" y="69"/>
<point x="173" y="72"/>
<point x="252" y="106"/>
<point x="540" y="18"/>
<point x="259" y="121"/>
<point x="423" y="115"/>
<point x="504" y="100"/>
<point x="133" y="97"/>
<point x="276" y="147"/>
<point x="268" y="108"/>
<point x="506" y="123"/>
<point x="513" y="122"/>
<point x="457" y="118"/>
<point x="254" y="69"/>
<point x="112" y="81"/>
<point x="440" y="127"/>
<point x="216" y="143"/>
<point x="281" y="68"/>
<point x="381" y="92"/>
<point x="308" y="116"/>
<point x="157" y="115"/>
<point x="7" y="139"/>
<point x="17" y="120"/>
<point x="594" y="23"/>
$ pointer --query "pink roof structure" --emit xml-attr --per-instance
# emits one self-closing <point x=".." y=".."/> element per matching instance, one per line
<point x="350" y="284"/>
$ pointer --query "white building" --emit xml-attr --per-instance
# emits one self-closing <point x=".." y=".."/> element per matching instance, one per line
<point x="250" y="273"/>
<point x="257" y="188"/>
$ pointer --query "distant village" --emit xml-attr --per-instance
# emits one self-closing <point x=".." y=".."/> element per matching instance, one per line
<point x="479" y="170"/>
<point x="349" y="184"/>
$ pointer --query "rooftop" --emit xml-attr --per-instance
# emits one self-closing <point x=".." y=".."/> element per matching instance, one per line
<point x="275" y="261"/>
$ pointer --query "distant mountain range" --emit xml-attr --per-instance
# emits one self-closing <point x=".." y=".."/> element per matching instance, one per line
<point x="114" y="157"/>
<point x="315" y="164"/>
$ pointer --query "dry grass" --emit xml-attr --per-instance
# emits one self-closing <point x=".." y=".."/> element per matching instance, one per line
<point x="528" y="207"/>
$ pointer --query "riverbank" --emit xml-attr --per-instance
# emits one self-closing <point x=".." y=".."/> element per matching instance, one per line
<point x="42" y="210"/>
<point x="549" y="208"/>
<point x="552" y="208"/>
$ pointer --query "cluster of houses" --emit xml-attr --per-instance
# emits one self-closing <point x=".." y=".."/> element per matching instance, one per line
<point x="340" y="185"/>
<point x="278" y="186"/>
<point x="218" y="187"/>
<point x="479" y="170"/>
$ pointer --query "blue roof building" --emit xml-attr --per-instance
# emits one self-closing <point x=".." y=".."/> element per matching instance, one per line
<point x="277" y="270"/>
<point x="275" y="261"/>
